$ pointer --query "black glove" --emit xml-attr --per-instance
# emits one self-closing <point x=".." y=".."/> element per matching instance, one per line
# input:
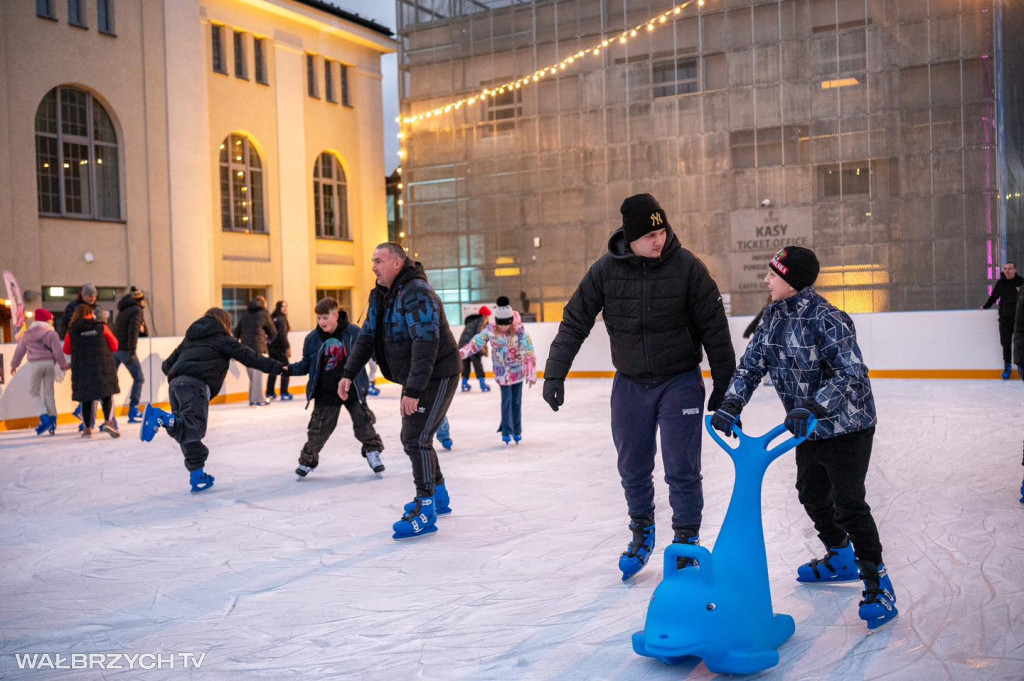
<point x="726" y="418"/>
<point x="717" y="396"/>
<point x="554" y="392"/>
<point x="797" y="420"/>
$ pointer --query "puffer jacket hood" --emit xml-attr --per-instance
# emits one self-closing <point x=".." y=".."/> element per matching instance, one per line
<point x="204" y="327"/>
<point x="255" y="305"/>
<point x="125" y="302"/>
<point x="619" y="248"/>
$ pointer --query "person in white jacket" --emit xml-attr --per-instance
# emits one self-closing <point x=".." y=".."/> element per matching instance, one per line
<point x="43" y="347"/>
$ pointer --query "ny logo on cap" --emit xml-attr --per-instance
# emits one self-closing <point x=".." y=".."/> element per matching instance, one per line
<point x="655" y="219"/>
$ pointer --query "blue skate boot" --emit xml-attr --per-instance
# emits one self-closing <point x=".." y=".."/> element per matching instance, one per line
<point x="77" y="413"/>
<point x="506" y="439"/>
<point x="442" y="502"/>
<point x="372" y="391"/>
<point x="838" y="565"/>
<point x="517" y="438"/>
<point x="53" y="425"/>
<point x="686" y="535"/>
<point x="1021" y="484"/>
<point x="1007" y="370"/>
<point x="879" y="605"/>
<point x="200" y="480"/>
<point x="134" y="414"/>
<point x="466" y="387"/>
<point x="44" y="424"/>
<point x="640" y="548"/>
<point x="484" y="388"/>
<point x="419" y="521"/>
<point x="154" y="419"/>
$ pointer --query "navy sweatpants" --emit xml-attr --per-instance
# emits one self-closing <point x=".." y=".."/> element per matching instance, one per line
<point x="676" y="408"/>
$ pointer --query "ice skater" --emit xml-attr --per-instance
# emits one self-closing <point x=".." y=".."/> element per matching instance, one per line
<point x="513" y="362"/>
<point x="93" y="372"/>
<point x="472" y="325"/>
<point x="42" y="344"/>
<point x="127" y="327"/>
<point x="407" y="332"/>
<point x="196" y="371"/>
<point x="660" y="306"/>
<point x="323" y="357"/>
<point x="1018" y="354"/>
<point x="1006" y="291"/>
<point x="810" y="350"/>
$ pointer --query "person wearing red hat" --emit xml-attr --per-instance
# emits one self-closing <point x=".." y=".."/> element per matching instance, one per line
<point x="474" y="324"/>
<point x="43" y="347"/>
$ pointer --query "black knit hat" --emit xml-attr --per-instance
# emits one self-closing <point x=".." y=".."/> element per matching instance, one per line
<point x="641" y="214"/>
<point x="798" y="266"/>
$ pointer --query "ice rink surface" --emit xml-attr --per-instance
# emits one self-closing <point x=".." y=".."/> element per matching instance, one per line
<point x="105" y="551"/>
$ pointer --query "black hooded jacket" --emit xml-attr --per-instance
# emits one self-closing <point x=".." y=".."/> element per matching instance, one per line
<point x="1018" y="334"/>
<point x="474" y="325"/>
<point x="127" y="324"/>
<point x="206" y="354"/>
<point x="659" y="313"/>
<point x="256" y="329"/>
<point x="407" y="332"/>
<point x="1006" y="292"/>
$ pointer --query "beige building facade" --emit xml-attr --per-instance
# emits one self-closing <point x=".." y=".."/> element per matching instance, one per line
<point x="201" y="150"/>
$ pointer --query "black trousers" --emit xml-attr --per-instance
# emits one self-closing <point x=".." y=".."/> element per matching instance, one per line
<point x="282" y="357"/>
<point x="418" y="433"/>
<point x="1006" y="337"/>
<point x="830" y="482"/>
<point x="88" y="415"/>
<point x="476" y="363"/>
<point x="324" y="420"/>
<point x="190" y="402"/>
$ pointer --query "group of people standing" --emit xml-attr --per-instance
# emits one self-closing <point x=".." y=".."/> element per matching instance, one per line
<point x="96" y="352"/>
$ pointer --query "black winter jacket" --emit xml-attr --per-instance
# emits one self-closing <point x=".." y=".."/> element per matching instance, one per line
<point x="206" y="354"/>
<point x="255" y="329"/>
<point x="69" y="311"/>
<point x="407" y="332"/>
<point x="128" y="323"/>
<point x="280" y="343"/>
<point x="474" y="325"/>
<point x="1006" y="292"/>
<point x="658" y="314"/>
<point x="93" y="375"/>
<point x="312" y="358"/>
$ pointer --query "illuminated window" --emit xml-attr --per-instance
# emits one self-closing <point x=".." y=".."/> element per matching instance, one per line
<point x="330" y="192"/>
<point x="241" y="186"/>
<point x="77" y="160"/>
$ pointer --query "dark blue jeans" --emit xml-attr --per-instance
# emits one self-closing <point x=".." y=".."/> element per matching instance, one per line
<point x="190" y="402"/>
<point x="676" y="408"/>
<point x="131" y="360"/>
<point x="512" y="409"/>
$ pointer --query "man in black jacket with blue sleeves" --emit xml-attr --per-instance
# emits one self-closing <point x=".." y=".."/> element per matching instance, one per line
<point x="660" y="307"/>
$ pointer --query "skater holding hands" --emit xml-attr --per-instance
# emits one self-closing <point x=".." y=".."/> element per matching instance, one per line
<point x="809" y="348"/>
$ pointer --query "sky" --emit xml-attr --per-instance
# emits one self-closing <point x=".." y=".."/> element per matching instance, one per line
<point x="383" y="12"/>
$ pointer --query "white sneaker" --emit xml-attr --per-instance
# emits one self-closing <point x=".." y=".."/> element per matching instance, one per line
<point x="375" y="462"/>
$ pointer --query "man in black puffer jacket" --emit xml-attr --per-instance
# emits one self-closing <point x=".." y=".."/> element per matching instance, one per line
<point x="1006" y="291"/>
<point x="660" y="307"/>
<point x="196" y="371"/>
<point x="127" y="324"/>
<point x="256" y="330"/>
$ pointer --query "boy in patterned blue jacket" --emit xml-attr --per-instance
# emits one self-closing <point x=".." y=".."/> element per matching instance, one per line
<point x="809" y="348"/>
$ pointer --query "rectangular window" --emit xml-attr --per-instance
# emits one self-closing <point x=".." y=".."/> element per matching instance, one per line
<point x="76" y="13"/>
<point x="878" y="178"/>
<point x="241" y="62"/>
<point x="217" y="48"/>
<point x="345" y="98"/>
<point x="769" y="146"/>
<point x="503" y="108"/>
<point x="105" y="16"/>
<point x="675" y="77"/>
<point x="44" y="9"/>
<point x="260" y="59"/>
<point x="235" y="299"/>
<point x="329" y="81"/>
<point x="311" y="85"/>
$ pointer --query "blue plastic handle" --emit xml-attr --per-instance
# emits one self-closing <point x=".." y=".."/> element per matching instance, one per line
<point x="777" y="450"/>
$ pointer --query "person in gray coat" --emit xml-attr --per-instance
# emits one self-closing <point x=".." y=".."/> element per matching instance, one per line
<point x="256" y="330"/>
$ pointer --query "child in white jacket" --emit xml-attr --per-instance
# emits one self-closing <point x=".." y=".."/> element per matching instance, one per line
<point x="43" y="347"/>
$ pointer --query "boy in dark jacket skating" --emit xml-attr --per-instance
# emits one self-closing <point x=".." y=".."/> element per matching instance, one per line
<point x="196" y="370"/>
<point x="127" y="325"/>
<point x="810" y="350"/>
<point x="474" y="324"/>
<point x="323" y="357"/>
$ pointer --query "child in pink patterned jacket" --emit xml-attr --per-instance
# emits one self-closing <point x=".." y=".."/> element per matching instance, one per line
<point x="42" y="345"/>
<point x="513" y="362"/>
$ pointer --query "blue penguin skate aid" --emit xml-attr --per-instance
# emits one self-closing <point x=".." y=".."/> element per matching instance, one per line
<point x="720" y="610"/>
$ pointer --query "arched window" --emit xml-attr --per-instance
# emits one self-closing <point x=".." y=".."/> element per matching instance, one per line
<point x="331" y="195"/>
<point x="76" y="157"/>
<point x="241" y="186"/>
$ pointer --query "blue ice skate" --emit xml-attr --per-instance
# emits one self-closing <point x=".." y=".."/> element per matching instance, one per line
<point x="154" y="419"/>
<point x="200" y="480"/>
<point x="721" y="609"/>
<point x="287" y="397"/>
<point x="466" y="387"/>
<point x="506" y="439"/>
<point x="372" y="391"/>
<point x="640" y="548"/>
<point x="419" y="521"/>
<point x="442" y="502"/>
<point x="484" y="388"/>
<point x="1007" y="371"/>
<point x="517" y="438"/>
<point x="77" y="413"/>
<point x="1022" y="483"/>
<point x="838" y="565"/>
<point x="47" y="423"/>
<point x="134" y="414"/>
<point x="879" y="605"/>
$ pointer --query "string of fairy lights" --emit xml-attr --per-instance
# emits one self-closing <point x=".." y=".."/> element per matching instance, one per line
<point x="554" y="69"/>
